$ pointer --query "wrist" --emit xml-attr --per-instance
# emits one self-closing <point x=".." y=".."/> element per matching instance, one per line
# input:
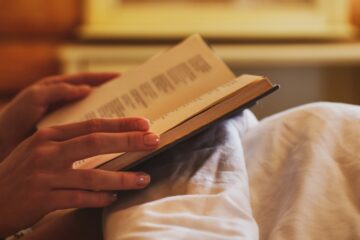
<point x="9" y="137"/>
<point x="3" y="143"/>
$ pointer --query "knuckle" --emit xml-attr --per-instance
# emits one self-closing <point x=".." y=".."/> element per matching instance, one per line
<point x="77" y="199"/>
<point x="38" y="154"/>
<point x="102" y="199"/>
<point x="92" y="141"/>
<point x="43" y="134"/>
<point x="125" y="124"/>
<point x="34" y="93"/>
<point x="94" y="125"/>
<point x="134" y="141"/>
<point x="122" y="179"/>
<point x="131" y="123"/>
<point x="64" y="88"/>
<point x="130" y="141"/>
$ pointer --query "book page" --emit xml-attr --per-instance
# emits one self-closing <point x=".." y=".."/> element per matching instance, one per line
<point x="164" y="83"/>
<point x="182" y="113"/>
<point x="168" y="89"/>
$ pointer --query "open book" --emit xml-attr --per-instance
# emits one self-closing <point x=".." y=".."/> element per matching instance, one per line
<point x="181" y="92"/>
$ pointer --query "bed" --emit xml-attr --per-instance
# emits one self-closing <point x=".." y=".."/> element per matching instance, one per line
<point x="294" y="175"/>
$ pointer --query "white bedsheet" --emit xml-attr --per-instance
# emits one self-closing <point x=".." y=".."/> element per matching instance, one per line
<point x="304" y="172"/>
<point x="304" y="168"/>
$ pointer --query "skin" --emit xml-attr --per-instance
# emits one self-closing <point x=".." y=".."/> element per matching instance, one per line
<point x="36" y="175"/>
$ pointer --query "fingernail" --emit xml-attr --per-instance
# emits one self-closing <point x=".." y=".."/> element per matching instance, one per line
<point x="115" y="196"/>
<point x="142" y="179"/>
<point x="143" y="124"/>
<point x="151" y="139"/>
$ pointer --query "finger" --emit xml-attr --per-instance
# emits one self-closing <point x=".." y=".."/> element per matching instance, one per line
<point x="64" y="199"/>
<point x="62" y="92"/>
<point x="69" y="131"/>
<point x="94" y="179"/>
<point x="92" y="79"/>
<point x="103" y="143"/>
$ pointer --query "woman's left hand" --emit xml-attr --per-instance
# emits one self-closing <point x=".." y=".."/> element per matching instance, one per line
<point x="19" y="118"/>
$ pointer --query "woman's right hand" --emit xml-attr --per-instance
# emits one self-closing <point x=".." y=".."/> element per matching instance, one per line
<point x="37" y="177"/>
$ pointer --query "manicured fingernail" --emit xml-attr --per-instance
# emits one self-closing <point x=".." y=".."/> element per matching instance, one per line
<point x="142" y="179"/>
<point x="143" y="124"/>
<point x="115" y="196"/>
<point x="151" y="139"/>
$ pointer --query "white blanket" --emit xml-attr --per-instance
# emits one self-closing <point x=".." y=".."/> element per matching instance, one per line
<point x="304" y="172"/>
<point x="304" y="168"/>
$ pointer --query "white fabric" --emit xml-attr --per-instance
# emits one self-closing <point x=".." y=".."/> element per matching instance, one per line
<point x="304" y="172"/>
<point x="199" y="191"/>
<point x="304" y="169"/>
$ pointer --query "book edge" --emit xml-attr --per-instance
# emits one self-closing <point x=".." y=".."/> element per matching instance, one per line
<point x="134" y="158"/>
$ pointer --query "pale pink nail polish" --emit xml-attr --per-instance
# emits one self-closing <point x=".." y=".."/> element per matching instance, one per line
<point x="142" y="179"/>
<point x="151" y="139"/>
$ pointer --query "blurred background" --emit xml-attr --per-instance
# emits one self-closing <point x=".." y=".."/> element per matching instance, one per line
<point x="310" y="47"/>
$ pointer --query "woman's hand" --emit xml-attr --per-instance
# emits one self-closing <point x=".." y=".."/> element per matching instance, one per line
<point x="37" y="177"/>
<point x="20" y="116"/>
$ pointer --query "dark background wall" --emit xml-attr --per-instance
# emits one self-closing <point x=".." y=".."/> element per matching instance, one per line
<point x="30" y="33"/>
